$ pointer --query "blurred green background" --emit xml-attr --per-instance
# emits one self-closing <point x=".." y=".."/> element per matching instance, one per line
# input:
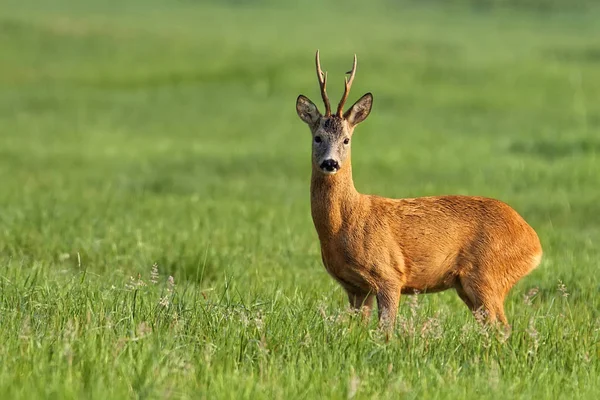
<point x="141" y="132"/>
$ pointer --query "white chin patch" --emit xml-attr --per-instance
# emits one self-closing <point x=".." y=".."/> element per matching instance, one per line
<point x="329" y="172"/>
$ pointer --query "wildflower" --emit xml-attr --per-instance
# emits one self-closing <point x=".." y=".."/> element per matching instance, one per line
<point x="258" y="321"/>
<point x="534" y="336"/>
<point x="503" y="334"/>
<point x="413" y="304"/>
<point x="244" y="319"/>
<point x="164" y="301"/>
<point x="154" y="274"/>
<point x="465" y="332"/>
<point x="530" y="295"/>
<point x="432" y="328"/>
<point x="406" y="325"/>
<point x="131" y="285"/>
<point x="135" y="283"/>
<point x="321" y="309"/>
<point x="562" y="288"/>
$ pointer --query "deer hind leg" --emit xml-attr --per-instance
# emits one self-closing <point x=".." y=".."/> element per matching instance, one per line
<point x="464" y="296"/>
<point x="483" y="297"/>
<point x="361" y="301"/>
<point x="388" y="299"/>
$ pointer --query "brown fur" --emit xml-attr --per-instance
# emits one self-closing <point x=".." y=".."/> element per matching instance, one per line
<point x="377" y="247"/>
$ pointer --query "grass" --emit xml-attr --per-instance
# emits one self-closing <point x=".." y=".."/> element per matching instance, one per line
<point x="135" y="133"/>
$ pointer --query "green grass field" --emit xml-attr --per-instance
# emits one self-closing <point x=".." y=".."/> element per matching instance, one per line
<point x="143" y="132"/>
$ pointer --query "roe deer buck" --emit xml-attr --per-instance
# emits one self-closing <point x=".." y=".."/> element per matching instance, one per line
<point x="377" y="247"/>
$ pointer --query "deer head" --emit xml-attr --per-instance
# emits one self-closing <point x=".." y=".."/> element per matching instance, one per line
<point x="331" y="134"/>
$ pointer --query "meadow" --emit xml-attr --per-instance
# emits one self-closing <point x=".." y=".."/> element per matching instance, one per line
<point x="155" y="229"/>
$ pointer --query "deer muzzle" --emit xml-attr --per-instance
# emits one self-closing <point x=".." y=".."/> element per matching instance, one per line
<point x="330" y="166"/>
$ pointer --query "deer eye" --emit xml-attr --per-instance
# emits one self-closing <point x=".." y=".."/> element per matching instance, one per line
<point x="317" y="139"/>
<point x="347" y="140"/>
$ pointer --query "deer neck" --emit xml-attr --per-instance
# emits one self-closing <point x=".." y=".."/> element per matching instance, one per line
<point x="333" y="200"/>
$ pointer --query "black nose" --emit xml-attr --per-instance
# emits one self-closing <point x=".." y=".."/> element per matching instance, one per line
<point x="330" y="165"/>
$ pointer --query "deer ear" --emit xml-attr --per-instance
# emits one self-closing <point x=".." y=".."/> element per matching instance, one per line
<point x="359" y="110"/>
<point x="307" y="111"/>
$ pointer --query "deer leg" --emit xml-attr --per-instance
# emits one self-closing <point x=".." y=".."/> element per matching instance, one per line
<point x="464" y="296"/>
<point x="388" y="299"/>
<point x="361" y="301"/>
<point x="484" y="298"/>
<point x="500" y="314"/>
<point x="493" y="304"/>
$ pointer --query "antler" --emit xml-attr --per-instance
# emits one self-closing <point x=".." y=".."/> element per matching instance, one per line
<point x="323" y="83"/>
<point x="340" y="109"/>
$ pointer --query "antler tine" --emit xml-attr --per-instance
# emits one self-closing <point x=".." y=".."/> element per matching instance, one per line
<point x="340" y="109"/>
<point x="322" y="84"/>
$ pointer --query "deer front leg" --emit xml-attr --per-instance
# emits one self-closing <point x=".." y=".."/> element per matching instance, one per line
<point x="388" y="298"/>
